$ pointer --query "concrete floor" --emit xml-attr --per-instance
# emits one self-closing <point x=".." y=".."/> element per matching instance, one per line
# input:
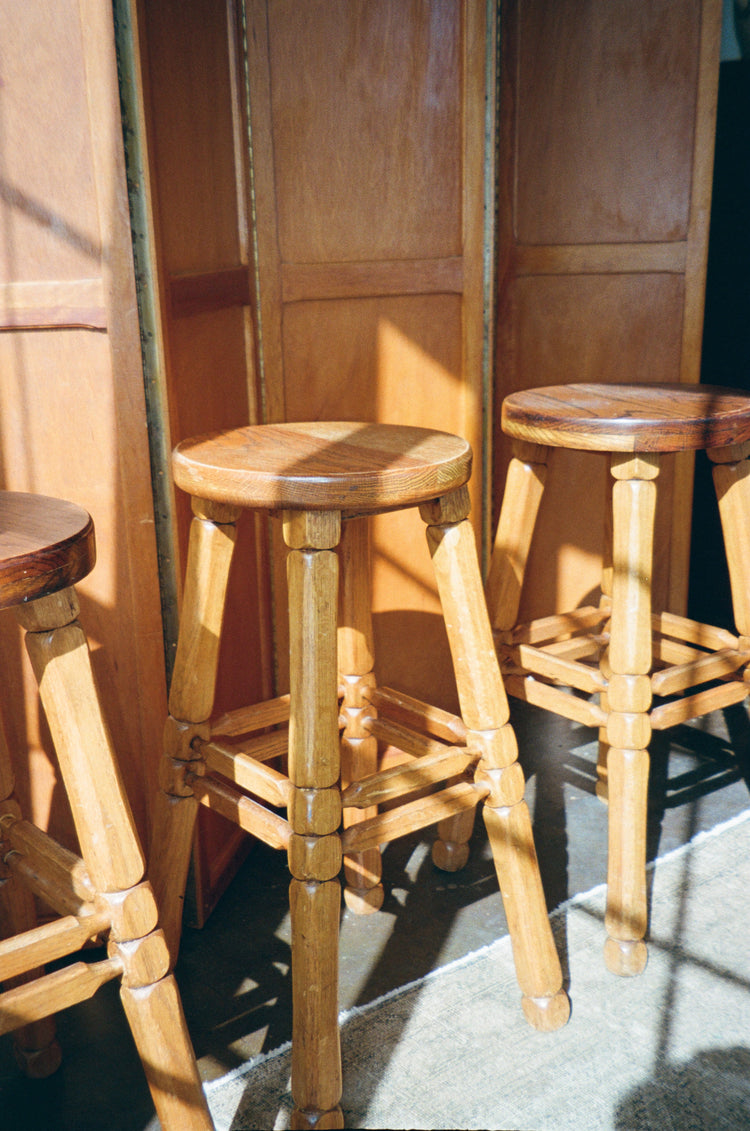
<point x="234" y="974"/>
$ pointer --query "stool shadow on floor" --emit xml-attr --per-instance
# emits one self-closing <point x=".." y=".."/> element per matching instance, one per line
<point x="709" y="1090"/>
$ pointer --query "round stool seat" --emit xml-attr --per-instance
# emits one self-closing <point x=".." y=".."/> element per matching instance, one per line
<point x="45" y="545"/>
<point x="629" y="418"/>
<point x="322" y="466"/>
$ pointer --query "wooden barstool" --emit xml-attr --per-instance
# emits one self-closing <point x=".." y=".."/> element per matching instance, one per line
<point x="46" y="546"/>
<point x="323" y="481"/>
<point x="619" y="649"/>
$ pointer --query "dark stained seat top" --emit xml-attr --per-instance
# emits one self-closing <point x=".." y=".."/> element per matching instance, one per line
<point x="322" y="466"/>
<point x="629" y="418"/>
<point x="45" y="546"/>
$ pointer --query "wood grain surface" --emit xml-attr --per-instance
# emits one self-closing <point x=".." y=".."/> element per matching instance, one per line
<point x="339" y="465"/>
<point x="629" y="418"/>
<point x="45" y="545"/>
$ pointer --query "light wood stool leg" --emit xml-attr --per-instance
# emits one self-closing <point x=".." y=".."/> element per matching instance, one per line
<point x="731" y="473"/>
<point x="315" y="814"/>
<point x="363" y="892"/>
<point x="629" y="699"/>
<point x="59" y="655"/>
<point x="524" y="487"/>
<point x="212" y="539"/>
<point x="602" y="791"/>
<point x="484" y="707"/>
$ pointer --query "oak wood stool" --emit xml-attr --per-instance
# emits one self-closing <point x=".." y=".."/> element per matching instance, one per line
<point x="46" y="546"/>
<point x="323" y="481"/>
<point x="640" y="664"/>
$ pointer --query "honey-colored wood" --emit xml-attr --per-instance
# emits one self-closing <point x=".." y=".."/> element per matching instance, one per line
<point x="732" y="483"/>
<point x="40" y="945"/>
<point x="106" y="887"/>
<point x="316" y="1055"/>
<point x="694" y="706"/>
<point x="531" y="690"/>
<point x="323" y="466"/>
<point x="255" y="717"/>
<point x="635" y="425"/>
<point x="705" y="635"/>
<point x="565" y="671"/>
<point x="337" y="715"/>
<point x="628" y="729"/>
<point x="55" y="992"/>
<point x="244" y="812"/>
<point x="35" y="1044"/>
<point x="515" y="528"/>
<point x="405" y="709"/>
<point x="398" y="780"/>
<point x="188" y="83"/>
<point x="601" y="270"/>
<point x="484" y="708"/>
<point x="359" y="746"/>
<point x="314" y="764"/>
<point x="249" y="772"/>
<point x="413" y="815"/>
<point x="682" y="676"/>
<point x="87" y="764"/>
<point x="628" y="418"/>
<point x="163" y="1041"/>
<point x="392" y="294"/>
<point x="72" y="336"/>
<point x="191" y="700"/>
<point x="559" y="626"/>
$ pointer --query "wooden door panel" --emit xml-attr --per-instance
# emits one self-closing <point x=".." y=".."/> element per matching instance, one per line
<point x="367" y="122"/>
<point x="198" y="163"/>
<point x="73" y="419"/>
<point x="605" y="155"/>
<point x="605" y="120"/>
<point x="366" y="128"/>
<point x="391" y="359"/>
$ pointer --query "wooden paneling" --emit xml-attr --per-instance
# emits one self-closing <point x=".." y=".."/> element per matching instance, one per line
<point x="605" y="156"/>
<point x="71" y="386"/>
<point x="606" y="100"/>
<point x="367" y="124"/>
<point x="197" y="155"/>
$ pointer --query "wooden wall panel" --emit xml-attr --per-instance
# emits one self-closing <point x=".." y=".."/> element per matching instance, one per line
<point x="367" y="124"/>
<point x="605" y="156"/>
<point x="196" y="137"/>
<point x="72" y="409"/>
<point x="606" y="119"/>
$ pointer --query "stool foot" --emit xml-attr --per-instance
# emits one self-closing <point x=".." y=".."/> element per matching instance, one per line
<point x="625" y="957"/>
<point x="363" y="891"/>
<point x="41" y="1062"/>
<point x="317" y="1121"/>
<point x="547" y="1013"/>
<point x="451" y="852"/>
<point x="364" y="901"/>
<point x="449" y="856"/>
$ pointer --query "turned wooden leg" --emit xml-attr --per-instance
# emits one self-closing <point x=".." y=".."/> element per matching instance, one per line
<point x="59" y="655"/>
<point x="602" y="791"/>
<point x="363" y="892"/>
<point x="315" y="815"/>
<point x="731" y="474"/>
<point x="629" y="699"/>
<point x="484" y="707"/>
<point x="212" y="539"/>
<point x="524" y="487"/>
